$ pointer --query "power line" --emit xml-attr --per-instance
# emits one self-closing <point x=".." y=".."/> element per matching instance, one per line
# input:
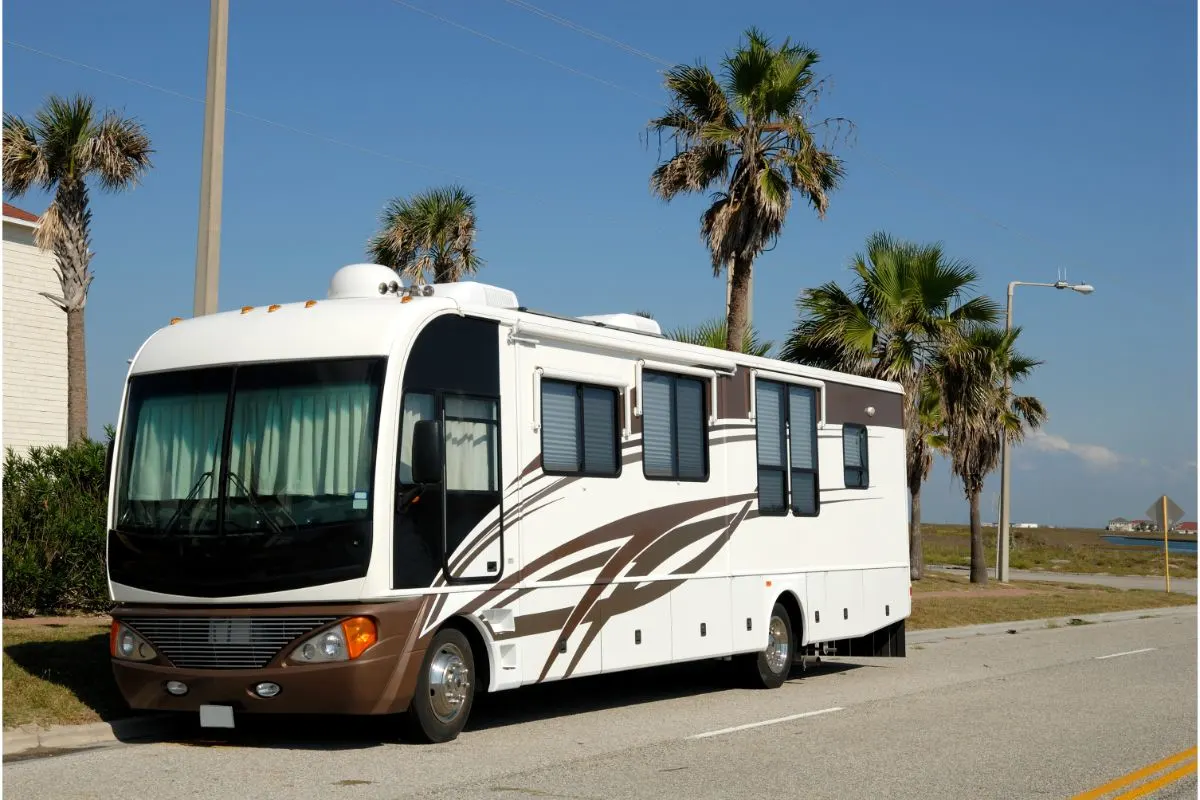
<point x="957" y="202"/>
<point x="522" y="50"/>
<point x="286" y="127"/>
<point x="566" y="23"/>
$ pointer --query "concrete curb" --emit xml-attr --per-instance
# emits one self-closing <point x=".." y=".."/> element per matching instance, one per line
<point x="932" y="635"/>
<point x="33" y="737"/>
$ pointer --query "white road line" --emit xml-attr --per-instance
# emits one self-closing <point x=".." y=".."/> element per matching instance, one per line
<point x="764" y="722"/>
<point x="1126" y="653"/>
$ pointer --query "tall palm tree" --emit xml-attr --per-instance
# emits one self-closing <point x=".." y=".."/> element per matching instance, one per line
<point x="908" y="303"/>
<point x="751" y="134"/>
<point x="428" y="235"/>
<point x="713" y="333"/>
<point x="66" y="144"/>
<point x="980" y="411"/>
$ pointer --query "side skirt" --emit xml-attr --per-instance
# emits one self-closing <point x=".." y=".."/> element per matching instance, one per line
<point x="887" y="642"/>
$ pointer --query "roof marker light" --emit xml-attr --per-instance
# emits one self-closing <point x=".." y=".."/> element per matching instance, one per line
<point x="310" y="303"/>
<point x="176" y="320"/>
<point x="247" y="309"/>
<point x="273" y="307"/>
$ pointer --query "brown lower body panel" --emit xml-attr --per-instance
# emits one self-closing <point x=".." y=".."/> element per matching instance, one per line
<point x="380" y="681"/>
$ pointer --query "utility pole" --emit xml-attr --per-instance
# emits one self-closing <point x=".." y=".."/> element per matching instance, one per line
<point x="208" y="242"/>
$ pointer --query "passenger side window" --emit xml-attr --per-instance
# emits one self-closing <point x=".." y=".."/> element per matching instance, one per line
<point x="786" y="429"/>
<point x="854" y="456"/>
<point x="772" y="447"/>
<point x="802" y="421"/>
<point x="579" y="429"/>
<point x="674" y="427"/>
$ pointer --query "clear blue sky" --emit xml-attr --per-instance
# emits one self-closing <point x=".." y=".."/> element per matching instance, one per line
<point x="1028" y="137"/>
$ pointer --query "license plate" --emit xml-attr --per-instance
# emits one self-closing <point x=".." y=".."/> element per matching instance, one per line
<point x="216" y="716"/>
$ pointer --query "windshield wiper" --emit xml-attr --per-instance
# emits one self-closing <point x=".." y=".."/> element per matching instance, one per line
<point x="275" y="528"/>
<point x="190" y="497"/>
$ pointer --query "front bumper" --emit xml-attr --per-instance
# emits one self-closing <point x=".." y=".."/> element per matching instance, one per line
<point x="380" y="681"/>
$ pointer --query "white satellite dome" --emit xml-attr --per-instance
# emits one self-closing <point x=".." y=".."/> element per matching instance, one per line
<point x="364" y="280"/>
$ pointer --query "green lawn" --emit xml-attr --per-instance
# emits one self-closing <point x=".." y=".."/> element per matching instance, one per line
<point x="1054" y="550"/>
<point x="946" y="601"/>
<point x="58" y="674"/>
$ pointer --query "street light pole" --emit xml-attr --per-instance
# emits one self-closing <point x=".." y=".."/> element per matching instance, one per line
<point x="1005" y="465"/>
<point x="208" y="242"/>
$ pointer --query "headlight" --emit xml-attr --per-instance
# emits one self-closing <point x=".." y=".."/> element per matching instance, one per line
<point x="123" y="643"/>
<point x="345" y="642"/>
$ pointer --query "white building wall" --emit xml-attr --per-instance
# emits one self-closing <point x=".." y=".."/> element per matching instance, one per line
<point x="34" y="345"/>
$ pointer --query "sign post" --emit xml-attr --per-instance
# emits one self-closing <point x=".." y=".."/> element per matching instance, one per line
<point x="1164" y="512"/>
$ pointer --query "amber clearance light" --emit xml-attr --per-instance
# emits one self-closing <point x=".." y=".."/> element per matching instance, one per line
<point x="360" y="634"/>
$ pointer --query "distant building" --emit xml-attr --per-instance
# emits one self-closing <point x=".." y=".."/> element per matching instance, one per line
<point x="35" y="340"/>
<point x="1119" y="524"/>
<point x="1143" y="525"/>
<point x="1025" y="525"/>
<point x="1186" y="527"/>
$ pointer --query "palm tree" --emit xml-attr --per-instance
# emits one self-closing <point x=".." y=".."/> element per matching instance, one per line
<point x="751" y="134"/>
<point x="713" y="334"/>
<point x="907" y="305"/>
<point x="67" y="143"/>
<point x="979" y="410"/>
<point x="431" y="234"/>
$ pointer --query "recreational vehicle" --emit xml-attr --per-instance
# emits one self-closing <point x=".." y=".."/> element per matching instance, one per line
<point x="392" y="498"/>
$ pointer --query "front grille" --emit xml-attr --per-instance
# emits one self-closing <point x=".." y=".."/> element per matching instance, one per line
<point x="222" y="642"/>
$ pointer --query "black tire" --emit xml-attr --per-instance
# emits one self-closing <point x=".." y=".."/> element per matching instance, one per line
<point x="769" y="668"/>
<point x="445" y="690"/>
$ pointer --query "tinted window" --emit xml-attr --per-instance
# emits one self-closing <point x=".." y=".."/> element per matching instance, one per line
<point x="674" y="428"/>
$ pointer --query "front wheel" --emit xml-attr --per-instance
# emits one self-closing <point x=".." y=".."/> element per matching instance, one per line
<point x="445" y="690"/>
<point x="769" y="667"/>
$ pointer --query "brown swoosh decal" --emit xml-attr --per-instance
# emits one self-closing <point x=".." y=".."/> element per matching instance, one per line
<point x="586" y="565"/>
<point x="628" y="596"/>
<point x="675" y="540"/>
<point x="541" y="622"/>
<point x="646" y="526"/>
<point x="655" y="519"/>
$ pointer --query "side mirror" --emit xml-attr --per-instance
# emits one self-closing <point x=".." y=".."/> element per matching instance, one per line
<point x="427" y="452"/>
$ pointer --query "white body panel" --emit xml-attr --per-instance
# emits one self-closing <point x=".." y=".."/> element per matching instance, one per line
<point x="627" y="570"/>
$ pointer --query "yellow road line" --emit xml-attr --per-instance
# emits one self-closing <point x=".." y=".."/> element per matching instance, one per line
<point x="1158" y="783"/>
<point x="1137" y="775"/>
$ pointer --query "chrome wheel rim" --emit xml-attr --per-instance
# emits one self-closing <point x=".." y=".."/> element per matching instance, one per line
<point x="778" y="646"/>
<point x="449" y="682"/>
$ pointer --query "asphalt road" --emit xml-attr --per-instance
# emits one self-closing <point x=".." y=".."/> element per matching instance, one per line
<point x="1036" y="714"/>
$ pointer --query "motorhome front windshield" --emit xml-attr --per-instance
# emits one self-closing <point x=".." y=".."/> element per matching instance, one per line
<point x="250" y="478"/>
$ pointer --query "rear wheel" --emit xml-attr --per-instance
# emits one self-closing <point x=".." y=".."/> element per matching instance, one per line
<point x="769" y="667"/>
<point x="445" y="690"/>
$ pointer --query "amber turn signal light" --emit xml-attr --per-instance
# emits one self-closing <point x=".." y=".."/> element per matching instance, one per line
<point x="360" y="634"/>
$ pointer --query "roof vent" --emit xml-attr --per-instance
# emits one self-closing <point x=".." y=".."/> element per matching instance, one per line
<point x="633" y="322"/>
<point x="363" y="280"/>
<point x="476" y="294"/>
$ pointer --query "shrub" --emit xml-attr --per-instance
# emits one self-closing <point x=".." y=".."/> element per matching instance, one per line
<point x="54" y="530"/>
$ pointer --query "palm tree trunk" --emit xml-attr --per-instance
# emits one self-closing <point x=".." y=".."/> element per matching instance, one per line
<point x="979" y="570"/>
<point x="77" y="398"/>
<point x="737" y="322"/>
<point x="916" y="557"/>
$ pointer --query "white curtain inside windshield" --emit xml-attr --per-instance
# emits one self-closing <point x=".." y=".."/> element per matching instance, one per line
<point x="308" y="441"/>
<point x="177" y="442"/>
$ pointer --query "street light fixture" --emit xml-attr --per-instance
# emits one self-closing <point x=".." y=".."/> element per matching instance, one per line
<point x="1002" y="554"/>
